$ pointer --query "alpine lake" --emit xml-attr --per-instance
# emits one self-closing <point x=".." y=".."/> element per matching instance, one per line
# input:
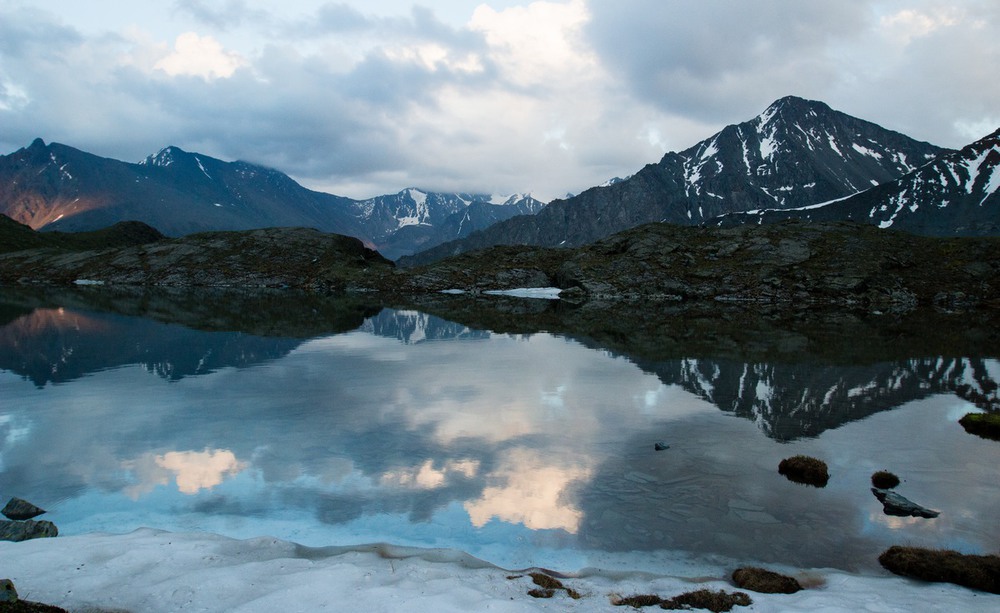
<point x="522" y="431"/>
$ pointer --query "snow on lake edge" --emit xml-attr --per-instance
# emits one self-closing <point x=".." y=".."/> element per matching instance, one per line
<point x="150" y="570"/>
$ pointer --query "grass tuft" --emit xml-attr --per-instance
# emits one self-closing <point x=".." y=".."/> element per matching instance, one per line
<point x="884" y="480"/>
<point x="972" y="571"/>
<point x="804" y="469"/>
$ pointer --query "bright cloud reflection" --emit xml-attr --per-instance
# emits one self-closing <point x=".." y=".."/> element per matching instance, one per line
<point x="533" y="494"/>
<point x="427" y="477"/>
<point x="193" y="470"/>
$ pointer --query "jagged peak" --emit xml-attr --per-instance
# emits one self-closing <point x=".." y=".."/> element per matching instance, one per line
<point x="164" y="157"/>
<point x="790" y="107"/>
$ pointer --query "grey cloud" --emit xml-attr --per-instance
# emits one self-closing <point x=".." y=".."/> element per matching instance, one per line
<point x="710" y="59"/>
<point x="232" y="13"/>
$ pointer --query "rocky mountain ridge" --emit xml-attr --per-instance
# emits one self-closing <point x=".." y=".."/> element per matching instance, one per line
<point x="956" y="194"/>
<point x="796" y="153"/>
<point x="56" y="187"/>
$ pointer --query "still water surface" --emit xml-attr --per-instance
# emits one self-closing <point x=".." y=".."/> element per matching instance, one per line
<point x="520" y="449"/>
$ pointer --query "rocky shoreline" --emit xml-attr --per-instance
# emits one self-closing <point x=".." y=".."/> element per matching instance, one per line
<point x="792" y="265"/>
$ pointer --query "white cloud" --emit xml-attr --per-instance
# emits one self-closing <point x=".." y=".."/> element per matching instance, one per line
<point x="533" y="493"/>
<point x="549" y="96"/>
<point x="907" y="24"/>
<point x="200" y="56"/>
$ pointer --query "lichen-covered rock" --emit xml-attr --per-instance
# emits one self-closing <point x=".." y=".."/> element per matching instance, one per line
<point x="7" y="591"/>
<point x="18" y="509"/>
<point x="26" y="530"/>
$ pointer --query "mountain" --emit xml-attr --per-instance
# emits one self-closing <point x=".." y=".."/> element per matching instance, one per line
<point x="413" y="219"/>
<point x="796" y="153"/>
<point x="958" y="194"/>
<point x="56" y="187"/>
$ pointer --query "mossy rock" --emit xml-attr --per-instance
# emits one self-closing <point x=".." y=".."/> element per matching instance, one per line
<point x="985" y="425"/>
<point x="765" y="581"/>
<point x="806" y="470"/>
<point x="972" y="571"/>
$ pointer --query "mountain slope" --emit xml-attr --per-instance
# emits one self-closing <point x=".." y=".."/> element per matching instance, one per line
<point x="956" y="195"/>
<point x="61" y="188"/>
<point x="413" y="219"/>
<point x="797" y="152"/>
<point x="57" y="187"/>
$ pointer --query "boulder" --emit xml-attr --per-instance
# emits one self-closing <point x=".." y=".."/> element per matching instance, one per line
<point x="900" y="506"/>
<point x="18" y="509"/>
<point x="25" y="530"/>
<point x="7" y="591"/>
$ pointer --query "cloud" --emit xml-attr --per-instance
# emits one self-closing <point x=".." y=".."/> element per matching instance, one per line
<point x="231" y="13"/>
<point x="200" y="56"/>
<point x="533" y="493"/>
<point x="545" y="96"/>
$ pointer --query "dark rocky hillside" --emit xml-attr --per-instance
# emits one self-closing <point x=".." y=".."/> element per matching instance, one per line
<point x="793" y="264"/>
<point x="277" y="257"/>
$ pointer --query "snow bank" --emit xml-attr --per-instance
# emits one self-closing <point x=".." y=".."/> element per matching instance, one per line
<point x="546" y="293"/>
<point x="151" y="570"/>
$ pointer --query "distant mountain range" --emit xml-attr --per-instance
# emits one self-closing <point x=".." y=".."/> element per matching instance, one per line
<point x="796" y="158"/>
<point x="56" y="187"/>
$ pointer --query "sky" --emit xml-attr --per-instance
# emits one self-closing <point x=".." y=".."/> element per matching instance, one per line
<point x="368" y="97"/>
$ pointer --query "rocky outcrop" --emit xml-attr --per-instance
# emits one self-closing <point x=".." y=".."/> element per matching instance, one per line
<point x="793" y="264"/>
<point x="21" y="527"/>
<point x="26" y="530"/>
<point x="18" y="509"/>
<point x="276" y="257"/>
<point x="900" y="506"/>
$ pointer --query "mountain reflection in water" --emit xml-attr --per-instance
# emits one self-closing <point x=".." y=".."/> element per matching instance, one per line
<point x="337" y="422"/>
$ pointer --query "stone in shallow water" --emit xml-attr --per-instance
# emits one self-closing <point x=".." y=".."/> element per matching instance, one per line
<point x="900" y="506"/>
<point x="18" y="509"/>
<point x="7" y="591"/>
<point x="25" y="530"/>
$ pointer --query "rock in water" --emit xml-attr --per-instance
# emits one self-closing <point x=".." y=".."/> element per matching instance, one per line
<point x="18" y="509"/>
<point x="25" y="530"/>
<point x="660" y="446"/>
<point x="900" y="506"/>
<point x="7" y="591"/>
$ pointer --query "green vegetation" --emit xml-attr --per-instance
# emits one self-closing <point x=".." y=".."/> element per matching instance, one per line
<point x="972" y="571"/>
<point x="806" y="470"/>
<point x="884" y="480"/>
<point x="985" y="425"/>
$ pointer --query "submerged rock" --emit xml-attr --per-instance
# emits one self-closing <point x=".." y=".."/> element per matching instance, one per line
<point x="660" y="446"/>
<point x="26" y="530"/>
<point x="900" y="506"/>
<point x="18" y="509"/>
